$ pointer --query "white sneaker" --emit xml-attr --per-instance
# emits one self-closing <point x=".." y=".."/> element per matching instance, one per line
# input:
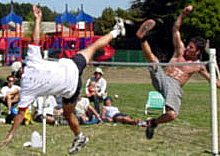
<point x="119" y="26"/>
<point x="142" y="124"/>
<point x="78" y="143"/>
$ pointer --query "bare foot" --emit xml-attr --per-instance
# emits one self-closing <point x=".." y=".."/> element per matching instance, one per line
<point x="145" y="27"/>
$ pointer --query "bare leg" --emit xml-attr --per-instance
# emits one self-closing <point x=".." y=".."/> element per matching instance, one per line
<point x="103" y="41"/>
<point x="152" y="123"/>
<point x="8" y="98"/>
<point x="128" y="120"/>
<point x="15" y="99"/>
<point x="169" y="116"/>
<point x="70" y="117"/>
<point x="100" y="43"/>
<point x="11" y="99"/>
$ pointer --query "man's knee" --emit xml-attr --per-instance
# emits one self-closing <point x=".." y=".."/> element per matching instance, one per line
<point x="172" y="115"/>
<point x="8" y="97"/>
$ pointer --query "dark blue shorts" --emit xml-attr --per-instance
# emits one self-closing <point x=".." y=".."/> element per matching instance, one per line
<point x="115" y="117"/>
<point x="80" y="62"/>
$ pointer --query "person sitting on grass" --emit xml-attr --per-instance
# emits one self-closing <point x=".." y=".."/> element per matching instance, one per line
<point x="84" y="112"/>
<point x="10" y="93"/>
<point x="112" y="114"/>
<point x="49" y="103"/>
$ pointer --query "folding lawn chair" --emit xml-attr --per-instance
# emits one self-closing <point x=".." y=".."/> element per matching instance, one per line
<point x="155" y="101"/>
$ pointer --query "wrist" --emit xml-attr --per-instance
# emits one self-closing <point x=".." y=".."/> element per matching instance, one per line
<point x="38" y="20"/>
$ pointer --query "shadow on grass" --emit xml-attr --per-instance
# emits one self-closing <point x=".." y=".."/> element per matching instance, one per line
<point x="209" y="152"/>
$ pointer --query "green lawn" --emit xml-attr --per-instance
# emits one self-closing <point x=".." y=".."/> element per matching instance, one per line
<point x="189" y="134"/>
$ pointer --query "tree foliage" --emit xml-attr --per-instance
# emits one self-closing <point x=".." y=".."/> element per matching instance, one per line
<point x="105" y="23"/>
<point x="203" y="20"/>
<point x="24" y="9"/>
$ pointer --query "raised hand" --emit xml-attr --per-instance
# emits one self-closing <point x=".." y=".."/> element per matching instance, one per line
<point x="37" y="12"/>
<point x="187" y="9"/>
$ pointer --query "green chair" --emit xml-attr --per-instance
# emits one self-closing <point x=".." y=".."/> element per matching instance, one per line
<point x="155" y="101"/>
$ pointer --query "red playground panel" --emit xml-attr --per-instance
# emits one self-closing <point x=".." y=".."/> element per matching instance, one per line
<point x="108" y="52"/>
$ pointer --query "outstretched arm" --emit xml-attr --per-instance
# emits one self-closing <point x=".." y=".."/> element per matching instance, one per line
<point x="177" y="41"/>
<point x="36" y="32"/>
<point x="17" y="121"/>
<point x="94" y="112"/>
<point x="206" y="74"/>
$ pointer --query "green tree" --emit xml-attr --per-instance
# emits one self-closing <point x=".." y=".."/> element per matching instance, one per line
<point x="24" y="10"/>
<point x="203" y="21"/>
<point x="105" y="23"/>
<point x="47" y="14"/>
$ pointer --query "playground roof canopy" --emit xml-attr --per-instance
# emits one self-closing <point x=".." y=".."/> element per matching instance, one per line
<point x="12" y="17"/>
<point x="66" y="17"/>
<point x="82" y="16"/>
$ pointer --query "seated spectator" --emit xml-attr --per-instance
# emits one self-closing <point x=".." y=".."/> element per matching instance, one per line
<point x="49" y="103"/>
<point x="10" y="93"/>
<point x="112" y="114"/>
<point x="84" y="112"/>
<point x="58" y="112"/>
<point x="100" y="89"/>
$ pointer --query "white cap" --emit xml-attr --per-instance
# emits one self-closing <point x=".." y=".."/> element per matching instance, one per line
<point x="16" y="66"/>
<point x="99" y="70"/>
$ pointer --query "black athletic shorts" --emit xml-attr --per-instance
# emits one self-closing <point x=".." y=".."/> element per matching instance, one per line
<point x="80" y="62"/>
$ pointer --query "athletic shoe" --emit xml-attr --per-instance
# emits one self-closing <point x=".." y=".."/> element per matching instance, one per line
<point x="151" y="125"/>
<point x="119" y="26"/>
<point x="78" y="143"/>
<point x="145" y="27"/>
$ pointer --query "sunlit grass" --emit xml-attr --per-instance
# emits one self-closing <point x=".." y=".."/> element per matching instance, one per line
<point x="189" y="134"/>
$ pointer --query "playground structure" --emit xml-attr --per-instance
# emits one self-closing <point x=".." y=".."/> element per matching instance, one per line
<point x="59" y="43"/>
<point x="80" y="35"/>
<point x="11" y="45"/>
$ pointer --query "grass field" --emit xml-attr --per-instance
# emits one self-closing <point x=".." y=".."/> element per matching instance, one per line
<point x="189" y="134"/>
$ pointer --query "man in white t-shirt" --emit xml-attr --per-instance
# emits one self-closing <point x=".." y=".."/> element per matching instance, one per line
<point x="100" y="87"/>
<point x="46" y="104"/>
<point x="84" y="110"/>
<point x="10" y="93"/>
<point x="41" y="77"/>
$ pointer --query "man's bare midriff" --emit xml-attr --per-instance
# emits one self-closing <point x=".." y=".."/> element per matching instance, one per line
<point x="178" y="74"/>
<point x="182" y="73"/>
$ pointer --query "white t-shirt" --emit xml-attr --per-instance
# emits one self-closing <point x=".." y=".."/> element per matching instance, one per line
<point x="42" y="77"/>
<point x="6" y="90"/>
<point x="48" y="102"/>
<point x="111" y="111"/>
<point x="81" y="107"/>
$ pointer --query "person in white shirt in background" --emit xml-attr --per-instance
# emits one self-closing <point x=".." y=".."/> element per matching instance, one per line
<point x="41" y="77"/>
<point x="84" y="111"/>
<point x="100" y="87"/>
<point x="46" y="104"/>
<point x="10" y="93"/>
<point x="112" y="114"/>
